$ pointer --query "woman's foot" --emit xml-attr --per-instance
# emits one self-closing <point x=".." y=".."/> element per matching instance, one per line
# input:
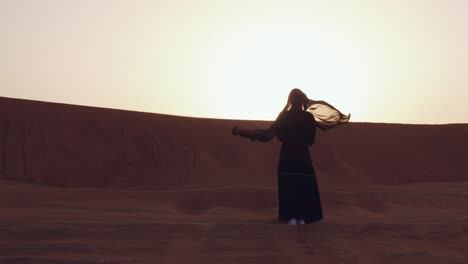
<point x="292" y="222"/>
<point x="301" y="222"/>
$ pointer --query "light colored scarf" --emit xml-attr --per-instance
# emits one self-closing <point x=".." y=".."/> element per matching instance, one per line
<point x="326" y="116"/>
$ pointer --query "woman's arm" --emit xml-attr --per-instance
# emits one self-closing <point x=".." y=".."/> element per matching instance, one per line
<point x="262" y="135"/>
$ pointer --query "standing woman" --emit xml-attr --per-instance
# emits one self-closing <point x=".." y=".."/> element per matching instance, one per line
<point x="298" y="194"/>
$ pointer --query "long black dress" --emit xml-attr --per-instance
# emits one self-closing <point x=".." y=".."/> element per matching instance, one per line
<point x="297" y="183"/>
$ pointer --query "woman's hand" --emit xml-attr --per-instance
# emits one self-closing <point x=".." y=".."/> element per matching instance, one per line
<point x="235" y="131"/>
<point x="243" y="133"/>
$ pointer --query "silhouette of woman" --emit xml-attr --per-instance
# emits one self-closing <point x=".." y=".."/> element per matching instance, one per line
<point x="298" y="194"/>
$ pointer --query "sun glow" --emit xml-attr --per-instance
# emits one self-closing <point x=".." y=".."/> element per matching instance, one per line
<point x="253" y="70"/>
<point x="381" y="61"/>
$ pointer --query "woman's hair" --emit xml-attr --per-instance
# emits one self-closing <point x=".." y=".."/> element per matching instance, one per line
<point x="297" y="97"/>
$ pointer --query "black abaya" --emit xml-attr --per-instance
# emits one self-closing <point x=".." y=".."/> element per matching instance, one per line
<point x="298" y="192"/>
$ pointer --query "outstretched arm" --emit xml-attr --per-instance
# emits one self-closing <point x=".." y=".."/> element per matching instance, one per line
<point x="262" y="135"/>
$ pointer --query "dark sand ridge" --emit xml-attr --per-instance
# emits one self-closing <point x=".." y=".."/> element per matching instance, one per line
<point x="148" y="188"/>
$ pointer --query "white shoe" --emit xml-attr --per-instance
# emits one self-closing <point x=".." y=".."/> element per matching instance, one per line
<point x="301" y="222"/>
<point x="292" y="222"/>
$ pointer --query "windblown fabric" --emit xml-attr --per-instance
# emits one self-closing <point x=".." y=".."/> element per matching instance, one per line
<point x="326" y="116"/>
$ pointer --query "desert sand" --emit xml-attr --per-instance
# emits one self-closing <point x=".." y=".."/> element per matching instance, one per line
<point x="89" y="185"/>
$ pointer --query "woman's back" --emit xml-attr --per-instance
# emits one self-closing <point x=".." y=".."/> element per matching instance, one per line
<point x="296" y="129"/>
<point x="296" y="126"/>
<point x="298" y="194"/>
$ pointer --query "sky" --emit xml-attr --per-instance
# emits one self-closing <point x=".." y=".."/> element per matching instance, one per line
<point x="382" y="61"/>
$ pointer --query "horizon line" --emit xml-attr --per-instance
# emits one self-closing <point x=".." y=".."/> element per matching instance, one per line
<point x="209" y="118"/>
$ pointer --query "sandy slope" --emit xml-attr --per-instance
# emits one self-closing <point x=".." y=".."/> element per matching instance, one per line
<point x="89" y="185"/>
<point x="412" y="224"/>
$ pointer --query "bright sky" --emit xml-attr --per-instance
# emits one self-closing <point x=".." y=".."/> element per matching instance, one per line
<point x="382" y="61"/>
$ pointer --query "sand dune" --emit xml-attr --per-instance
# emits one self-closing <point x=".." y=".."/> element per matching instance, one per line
<point x="91" y="185"/>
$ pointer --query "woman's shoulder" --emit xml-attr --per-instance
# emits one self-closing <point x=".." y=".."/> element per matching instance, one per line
<point x="298" y="115"/>
<point x="309" y="118"/>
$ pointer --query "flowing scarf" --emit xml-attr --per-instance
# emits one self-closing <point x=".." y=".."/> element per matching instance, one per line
<point x="326" y="116"/>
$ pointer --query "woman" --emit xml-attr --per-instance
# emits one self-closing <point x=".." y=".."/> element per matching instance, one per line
<point x="299" y="199"/>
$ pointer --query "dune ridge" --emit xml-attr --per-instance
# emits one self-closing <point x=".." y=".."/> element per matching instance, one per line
<point x="66" y="145"/>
